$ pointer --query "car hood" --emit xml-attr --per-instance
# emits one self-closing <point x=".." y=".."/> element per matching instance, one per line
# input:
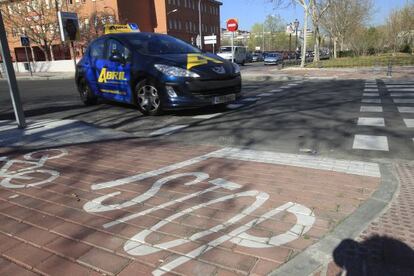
<point x="205" y="64"/>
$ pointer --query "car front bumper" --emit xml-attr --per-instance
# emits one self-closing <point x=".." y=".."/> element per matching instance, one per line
<point x="199" y="93"/>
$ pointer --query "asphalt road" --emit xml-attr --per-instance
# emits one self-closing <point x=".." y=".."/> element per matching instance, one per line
<point x="316" y="117"/>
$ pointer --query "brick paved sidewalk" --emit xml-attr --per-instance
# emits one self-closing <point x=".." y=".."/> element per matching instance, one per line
<point x="134" y="207"/>
<point x="386" y="247"/>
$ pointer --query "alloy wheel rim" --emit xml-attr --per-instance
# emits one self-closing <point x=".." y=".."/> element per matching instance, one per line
<point x="148" y="98"/>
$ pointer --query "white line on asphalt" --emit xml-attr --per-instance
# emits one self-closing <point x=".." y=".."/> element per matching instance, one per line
<point x="369" y="142"/>
<point x="377" y="101"/>
<point x="207" y="116"/>
<point x="405" y="109"/>
<point x="402" y="94"/>
<point x="234" y="106"/>
<point x="400" y="85"/>
<point x="13" y="196"/>
<point x="370" y="94"/>
<point x="284" y="87"/>
<point x="409" y="122"/>
<point x="293" y="84"/>
<point x="265" y="95"/>
<point x="370" y="90"/>
<point x="167" y="130"/>
<point x="276" y="90"/>
<point x="368" y="108"/>
<point x="368" y="121"/>
<point x="251" y="99"/>
<point x="403" y="101"/>
<point x="401" y="89"/>
<point x="306" y="161"/>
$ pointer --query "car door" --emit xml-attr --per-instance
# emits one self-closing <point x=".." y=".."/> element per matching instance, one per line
<point x="96" y="61"/>
<point x="115" y="73"/>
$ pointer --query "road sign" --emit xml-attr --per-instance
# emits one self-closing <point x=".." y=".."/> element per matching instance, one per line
<point x="69" y="26"/>
<point x="232" y="24"/>
<point x="198" y="41"/>
<point x="25" y="41"/>
<point x="211" y="39"/>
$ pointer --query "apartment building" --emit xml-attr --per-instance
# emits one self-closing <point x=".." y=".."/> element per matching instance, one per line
<point x="179" y="18"/>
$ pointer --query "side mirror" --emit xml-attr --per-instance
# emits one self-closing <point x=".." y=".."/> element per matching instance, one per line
<point x="117" y="57"/>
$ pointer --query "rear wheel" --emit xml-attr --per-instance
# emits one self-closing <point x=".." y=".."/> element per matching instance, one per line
<point x="86" y="94"/>
<point x="148" y="98"/>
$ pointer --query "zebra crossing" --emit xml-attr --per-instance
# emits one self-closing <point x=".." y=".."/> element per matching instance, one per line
<point x="372" y="115"/>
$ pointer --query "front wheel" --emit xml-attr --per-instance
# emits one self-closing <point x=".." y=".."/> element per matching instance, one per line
<point x="148" y="98"/>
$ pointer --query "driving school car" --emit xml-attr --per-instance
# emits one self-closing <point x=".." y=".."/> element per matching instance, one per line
<point x="156" y="72"/>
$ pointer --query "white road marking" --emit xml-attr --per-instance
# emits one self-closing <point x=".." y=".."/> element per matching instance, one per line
<point x="167" y="130"/>
<point x="367" y="121"/>
<point x="369" y="142"/>
<point x="265" y="95"/>
<point x="370" y="90"/>
<point x="276" y="90"/>
<point x="207" y="116"/>
<point x="409" y="123"/>
<point x="293" y="84"/>
<point x="284" y="87"/>
<point x="377" y="101"/>
<point x="405" y="109"/>
<point x="251" y="99"/>
<point x="234" y="106"/>
<point x="400" y="85"/>
<point x="403" y="101"/>
<point x="370" y="94"/>
<point x="401" y="89"/>
<point x="13" y="196"/>
<point x="402" y="94"/>
<point x="368" y="108"/>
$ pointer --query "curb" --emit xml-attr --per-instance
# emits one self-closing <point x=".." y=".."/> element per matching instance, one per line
<point x="320" y="253"/>
<point x="40" y="78"/>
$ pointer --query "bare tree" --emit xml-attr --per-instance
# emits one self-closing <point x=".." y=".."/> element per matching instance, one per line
<point x="344" y="17"/>
<point x="319" y="7"/>
<point x="400" y="27"/>
<point x="36" y="19"/>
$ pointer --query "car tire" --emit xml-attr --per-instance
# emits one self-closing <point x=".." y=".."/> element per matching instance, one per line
<point x="148" y="98"/>
<point x="86" y="94"/>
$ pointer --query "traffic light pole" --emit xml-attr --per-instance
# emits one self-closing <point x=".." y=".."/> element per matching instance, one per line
<point x="11" y="77"/>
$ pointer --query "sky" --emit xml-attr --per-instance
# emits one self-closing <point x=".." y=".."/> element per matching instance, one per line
<point x="249" y="12"/>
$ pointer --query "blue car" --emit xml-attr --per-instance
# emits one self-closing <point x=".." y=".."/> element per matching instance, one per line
<point x="273" y="58"/>
<point x="155" y="72"/>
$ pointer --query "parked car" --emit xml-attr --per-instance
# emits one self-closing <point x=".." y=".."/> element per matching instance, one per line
<point x="273" y="58"/>
<point x="249" y="57"/>
<point x="257" y="57"/>
<point x="240" y="54"/>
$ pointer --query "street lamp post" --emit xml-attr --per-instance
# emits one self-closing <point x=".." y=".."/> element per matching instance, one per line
<point x="199" y="24"/>
<point x="296" y="23"/>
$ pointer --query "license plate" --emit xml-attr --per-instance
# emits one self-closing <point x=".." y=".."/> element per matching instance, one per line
<point x="224" y="99"/>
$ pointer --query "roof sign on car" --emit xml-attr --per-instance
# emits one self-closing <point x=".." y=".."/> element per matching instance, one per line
<point x="121" y="28"/>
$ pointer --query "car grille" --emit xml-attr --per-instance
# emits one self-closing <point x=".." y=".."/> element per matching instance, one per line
<point x="206" y="94"/>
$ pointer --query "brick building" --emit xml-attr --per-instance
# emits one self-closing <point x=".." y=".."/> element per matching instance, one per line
<point x="179" y="18"/>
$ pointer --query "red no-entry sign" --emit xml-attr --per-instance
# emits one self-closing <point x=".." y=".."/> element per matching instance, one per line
<point x="232" y="25"/>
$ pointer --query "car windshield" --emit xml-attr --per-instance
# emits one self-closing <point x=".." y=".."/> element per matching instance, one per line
<point x="161" y="45"/>
<point x="225" y="49"/>
<point x="272" y="55"/>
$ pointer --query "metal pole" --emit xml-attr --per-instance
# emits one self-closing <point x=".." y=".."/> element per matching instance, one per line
<point x="290" y="42"/>
<point x="11" y="77"/>
<point x="199" y="24"/>
<point x="232" y="46"/>
<point x="73" y="53"/>
<point x="28" y="61"/>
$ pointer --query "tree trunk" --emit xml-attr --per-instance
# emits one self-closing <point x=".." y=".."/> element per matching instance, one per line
<point x="305" y="40"/>
<point x="317" y="45"/>
<point x="335" y="47"/>
<point x="52" y="56"/>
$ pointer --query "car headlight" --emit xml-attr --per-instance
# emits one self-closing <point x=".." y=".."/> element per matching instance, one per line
<point x="173" y="71"/>
<point x="236" y="68"/>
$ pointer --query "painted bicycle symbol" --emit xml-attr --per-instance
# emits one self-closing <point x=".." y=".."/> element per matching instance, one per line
<point x="242" y="236"/>
<point x="31" y="173"/>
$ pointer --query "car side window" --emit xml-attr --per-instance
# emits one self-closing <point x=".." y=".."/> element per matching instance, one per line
<point x="116" y="46"/>
<point x="97" y="49"/>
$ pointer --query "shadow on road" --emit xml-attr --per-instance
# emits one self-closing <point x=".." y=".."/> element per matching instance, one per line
<point x="378" y="255"/>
